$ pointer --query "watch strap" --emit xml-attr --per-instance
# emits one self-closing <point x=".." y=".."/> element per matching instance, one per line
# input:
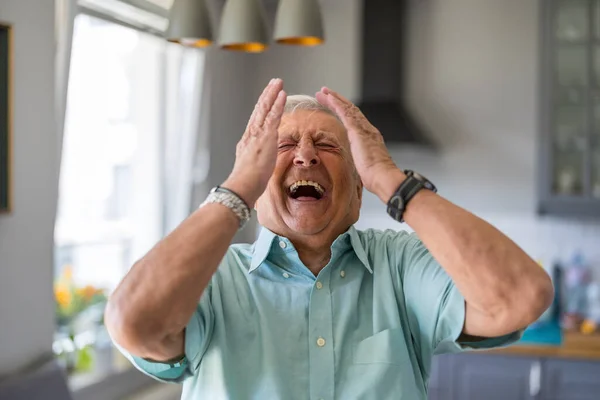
<point x="406" y="191"/>
<point x="231" y="200"/>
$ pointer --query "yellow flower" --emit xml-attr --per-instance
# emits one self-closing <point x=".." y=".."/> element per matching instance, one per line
<point x="63" y="295"/>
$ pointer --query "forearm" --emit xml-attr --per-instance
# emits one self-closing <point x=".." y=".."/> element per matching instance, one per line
<point x="498" y="280"/>
<point x="148" y="312"/>
<point x="158" y="296"/>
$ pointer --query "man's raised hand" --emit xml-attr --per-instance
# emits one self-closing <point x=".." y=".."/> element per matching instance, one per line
<point x="256" y="152"/>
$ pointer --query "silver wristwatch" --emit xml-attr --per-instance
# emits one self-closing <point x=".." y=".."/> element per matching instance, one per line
<point x="231" y="200"/>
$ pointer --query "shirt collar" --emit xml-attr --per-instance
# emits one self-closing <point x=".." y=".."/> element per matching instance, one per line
<point x="264" y="243"/>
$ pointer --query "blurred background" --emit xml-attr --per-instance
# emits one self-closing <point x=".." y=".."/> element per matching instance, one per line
<point x="111" y="135"/>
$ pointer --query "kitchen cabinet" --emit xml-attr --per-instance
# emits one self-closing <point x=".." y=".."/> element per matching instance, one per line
<point x="477" y="376"/>
<point x="569" y="183"/>
<point x="439" y="379"/>
<point x="571" y="380"/>
<point x="493" y="377"/>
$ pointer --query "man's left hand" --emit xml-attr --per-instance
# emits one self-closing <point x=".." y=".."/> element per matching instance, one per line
<point x="374" y="164"/>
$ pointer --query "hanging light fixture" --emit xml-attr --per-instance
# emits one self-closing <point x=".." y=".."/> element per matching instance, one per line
<point x="189" y="24"/>
<point x="299" y="22"/>
<point x="243" y="26"/>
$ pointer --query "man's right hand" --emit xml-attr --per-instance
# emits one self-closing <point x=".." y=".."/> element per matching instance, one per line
<point x="256" y="152"/>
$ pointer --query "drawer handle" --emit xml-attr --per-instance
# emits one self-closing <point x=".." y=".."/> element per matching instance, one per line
<point x="535" y="375"/>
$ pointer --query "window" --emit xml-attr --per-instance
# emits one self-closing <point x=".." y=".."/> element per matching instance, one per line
<point x="132" y="102"/>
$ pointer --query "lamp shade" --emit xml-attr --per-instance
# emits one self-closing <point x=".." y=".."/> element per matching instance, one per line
<point x="299" y="22"/>
<point x="243" y="26"/>
<point x="189" y="24"/>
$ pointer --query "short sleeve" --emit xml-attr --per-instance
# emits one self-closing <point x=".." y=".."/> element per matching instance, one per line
<point x="198" y="333"/>
<point x="435" y="307"/>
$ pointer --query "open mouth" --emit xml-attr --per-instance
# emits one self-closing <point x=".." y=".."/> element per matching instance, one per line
<point x="306" y="190"/>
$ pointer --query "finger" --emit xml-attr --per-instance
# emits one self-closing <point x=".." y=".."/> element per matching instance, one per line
<point x="273" y="118"/>
<point x="256" y="106"/>
<point x="265" y="102"/>
<point x="336" y="95"/>
<point x="341" y="109"/>
<point x="255" y="110"/>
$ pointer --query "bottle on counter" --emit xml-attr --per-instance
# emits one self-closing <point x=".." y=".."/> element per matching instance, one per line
<point x="577" y="277"/>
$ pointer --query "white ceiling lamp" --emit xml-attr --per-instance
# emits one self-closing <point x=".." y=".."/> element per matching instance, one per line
<point x="243" y="26"/>
<point x="189" y="24"/>
<point x="299" y="22"/>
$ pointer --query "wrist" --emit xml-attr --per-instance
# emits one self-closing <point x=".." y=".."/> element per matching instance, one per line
<point x="387" y="184"/>
<point x="240" y="187"/>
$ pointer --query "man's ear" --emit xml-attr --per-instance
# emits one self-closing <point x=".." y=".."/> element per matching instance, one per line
<point x="359" y="191"/>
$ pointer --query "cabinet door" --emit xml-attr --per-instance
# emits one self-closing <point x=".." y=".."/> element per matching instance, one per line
<point x="570" y="98"/>
<point x="439" y="387"/>
<point x="495" y="377"/>
<point x="571" y="380"/>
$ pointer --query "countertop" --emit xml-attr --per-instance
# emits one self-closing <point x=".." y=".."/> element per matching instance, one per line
<point x="575" y="345"/>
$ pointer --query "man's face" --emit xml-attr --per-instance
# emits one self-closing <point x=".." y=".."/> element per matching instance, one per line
<point x="314" y="188"/>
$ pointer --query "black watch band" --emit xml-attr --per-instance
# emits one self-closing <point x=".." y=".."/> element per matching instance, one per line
<point x="405" y="192"/>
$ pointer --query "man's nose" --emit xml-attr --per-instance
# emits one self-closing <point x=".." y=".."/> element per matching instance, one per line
<point x="306" y="155"/>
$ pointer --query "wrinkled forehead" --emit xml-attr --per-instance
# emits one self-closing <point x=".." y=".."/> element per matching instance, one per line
<point x="313" y="123"/>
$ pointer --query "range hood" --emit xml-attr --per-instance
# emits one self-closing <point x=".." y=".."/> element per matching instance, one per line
<point x="383" y="72"/>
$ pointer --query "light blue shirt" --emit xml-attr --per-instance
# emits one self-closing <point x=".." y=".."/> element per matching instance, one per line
<point x="366" y="327"/>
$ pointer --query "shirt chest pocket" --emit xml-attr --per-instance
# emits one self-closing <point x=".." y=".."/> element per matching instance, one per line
<point x="385" y="347"/>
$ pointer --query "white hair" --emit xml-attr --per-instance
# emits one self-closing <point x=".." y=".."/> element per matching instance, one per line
<point x="304" y="102"/>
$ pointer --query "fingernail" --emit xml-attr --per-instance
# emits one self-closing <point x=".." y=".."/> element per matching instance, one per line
<point x="271" y="81"/>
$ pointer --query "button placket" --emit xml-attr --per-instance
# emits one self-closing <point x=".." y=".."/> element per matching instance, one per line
<point x="320" y="327"/>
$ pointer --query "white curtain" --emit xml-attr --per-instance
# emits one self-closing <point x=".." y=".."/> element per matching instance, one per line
<point x="185" y="73"/>
<point x="66" y="10"/>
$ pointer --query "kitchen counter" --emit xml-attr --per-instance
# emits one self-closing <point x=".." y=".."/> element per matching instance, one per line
<point x="575" y="345"/>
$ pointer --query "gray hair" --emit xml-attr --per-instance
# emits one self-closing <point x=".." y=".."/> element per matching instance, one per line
<point x="304" y="102"/>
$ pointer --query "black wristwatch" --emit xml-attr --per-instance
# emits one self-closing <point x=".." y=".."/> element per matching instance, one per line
<point x="406" y="191"/>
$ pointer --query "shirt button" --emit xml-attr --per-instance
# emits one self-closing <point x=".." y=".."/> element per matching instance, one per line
<point x="286" y="275"/>
<point x="282" y="244"/>
<point x="319" y="285"/>
<point x="343" y="273"/>
<point x="320" y="342"/>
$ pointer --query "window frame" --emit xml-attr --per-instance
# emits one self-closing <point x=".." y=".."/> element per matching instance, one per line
<point x="115" y="384"/>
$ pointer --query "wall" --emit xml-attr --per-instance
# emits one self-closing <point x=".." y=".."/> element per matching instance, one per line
<point x="26" y="235"/>
<point x="473" y="71"/>
<point x="474" y="84"/>
<point x="306" y="69"/>
<point x="230" y="102"/>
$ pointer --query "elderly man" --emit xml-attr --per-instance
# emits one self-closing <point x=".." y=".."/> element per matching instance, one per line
<point x="315" y="308"/>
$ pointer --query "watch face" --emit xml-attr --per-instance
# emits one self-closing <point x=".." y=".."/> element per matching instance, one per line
<point x="426" y="182"/>
<point x="419" y="176"/>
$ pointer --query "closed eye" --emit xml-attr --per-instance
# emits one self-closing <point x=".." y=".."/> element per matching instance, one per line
<point x="326" y="146"/>
<point x="285" y="146"/>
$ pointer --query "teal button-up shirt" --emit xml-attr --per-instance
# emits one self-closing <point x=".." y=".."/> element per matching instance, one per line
<point x="366" y="327"/>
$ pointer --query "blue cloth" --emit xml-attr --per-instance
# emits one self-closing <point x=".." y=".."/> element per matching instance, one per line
<point x="366" y="327"/>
